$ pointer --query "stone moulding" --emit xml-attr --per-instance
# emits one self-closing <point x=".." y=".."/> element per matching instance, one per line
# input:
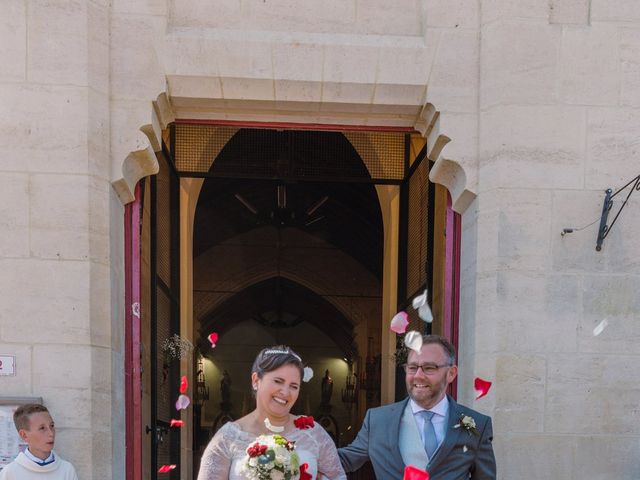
<point x="445" y="171"/>
<point x="142" y="161"/>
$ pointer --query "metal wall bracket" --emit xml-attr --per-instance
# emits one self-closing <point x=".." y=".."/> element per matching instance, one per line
<point x="604" y="229"/>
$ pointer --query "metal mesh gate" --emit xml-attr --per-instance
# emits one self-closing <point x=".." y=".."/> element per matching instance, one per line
<point x="164" y="239"/>
<point x="221" y="151"/>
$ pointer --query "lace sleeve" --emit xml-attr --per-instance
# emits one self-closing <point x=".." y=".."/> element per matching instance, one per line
<point x="216" y="459"/>
<point x="329" y="465"/>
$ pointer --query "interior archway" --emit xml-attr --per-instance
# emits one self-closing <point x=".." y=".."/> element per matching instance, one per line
<point x="279" y="259"/>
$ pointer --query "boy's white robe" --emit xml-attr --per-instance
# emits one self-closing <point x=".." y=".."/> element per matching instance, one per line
<point x="24" y="469"/>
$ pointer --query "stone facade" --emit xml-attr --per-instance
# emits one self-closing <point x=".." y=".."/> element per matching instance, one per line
<point x="531" y="111"/>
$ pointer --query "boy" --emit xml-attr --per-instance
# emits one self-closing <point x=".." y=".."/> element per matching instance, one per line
<point x="38" y="461"/>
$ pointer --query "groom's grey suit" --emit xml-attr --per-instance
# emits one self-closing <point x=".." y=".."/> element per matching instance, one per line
<point x="462" y="455"/>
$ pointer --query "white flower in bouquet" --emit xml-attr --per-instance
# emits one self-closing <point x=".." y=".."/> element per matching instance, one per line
<point x="272" y="457"/>
<point x="277" y="475"/>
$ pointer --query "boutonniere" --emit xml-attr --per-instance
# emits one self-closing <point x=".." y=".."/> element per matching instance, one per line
<point x="468" y="423"/>
<point x="303" y="422"/>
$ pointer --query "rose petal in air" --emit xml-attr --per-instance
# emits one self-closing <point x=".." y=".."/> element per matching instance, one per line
<point x="413" y="340"/>
<point x="413" y="473"/>
<point x="482" y="387"/>
<point x="182" y="402"/>
<point x="600" y="327"/>
<point x="213" y="339"/>
<point x="465" y="449"/>
<point x="399" y="322"/>
<point x="304" y="475"/>
<point x="308" y="374"/>
<point x="166" y="468"/>
<point x="184" y="384"/>
<point x="419" y="301"/>
<point x="176" y="423"/>
<point x="422" y="306"/>
<point x="424" y="312"/>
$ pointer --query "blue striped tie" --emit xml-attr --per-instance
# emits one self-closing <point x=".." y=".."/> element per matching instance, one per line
<point x="429" y="434"/>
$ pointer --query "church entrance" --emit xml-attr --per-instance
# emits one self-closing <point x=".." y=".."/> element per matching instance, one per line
<point x="265" y="236"/>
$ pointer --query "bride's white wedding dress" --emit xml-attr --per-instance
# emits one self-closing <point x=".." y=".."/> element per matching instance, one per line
<point x="225" y="455"/>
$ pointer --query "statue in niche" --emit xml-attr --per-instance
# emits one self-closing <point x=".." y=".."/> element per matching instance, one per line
<point x="225" y="388"/>
<point x="327" y="389"/>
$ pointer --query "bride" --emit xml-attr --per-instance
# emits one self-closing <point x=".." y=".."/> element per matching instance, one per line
<point x="276" y="376"/>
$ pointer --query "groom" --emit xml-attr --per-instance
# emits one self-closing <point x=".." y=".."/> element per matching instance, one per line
<point x="429" y="430"/>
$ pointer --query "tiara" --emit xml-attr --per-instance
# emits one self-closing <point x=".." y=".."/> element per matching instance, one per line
<point x="281" y="352"/>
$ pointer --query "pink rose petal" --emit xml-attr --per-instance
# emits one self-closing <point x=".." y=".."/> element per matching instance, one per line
<point x="400" y="322"/>
<point x="413" y="340"/>
<point x="184" y="384"/>
<point x="482" y="387"/>
<point x="176" y="423"/>
<point x="182" y="402"/>
<point x="166" y="468"/>
<point x="213" y="339"/>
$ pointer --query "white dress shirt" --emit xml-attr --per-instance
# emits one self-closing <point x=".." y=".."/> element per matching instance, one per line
<point x="439" y="419"/>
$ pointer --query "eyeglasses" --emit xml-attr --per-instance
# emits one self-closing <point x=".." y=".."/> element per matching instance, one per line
<point x="427" y="368"/>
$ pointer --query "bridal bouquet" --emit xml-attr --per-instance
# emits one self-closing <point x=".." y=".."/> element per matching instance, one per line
<point x="272" y="457"/>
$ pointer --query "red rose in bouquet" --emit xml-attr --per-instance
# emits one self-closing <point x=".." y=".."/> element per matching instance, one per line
<point x="256" y="450"/>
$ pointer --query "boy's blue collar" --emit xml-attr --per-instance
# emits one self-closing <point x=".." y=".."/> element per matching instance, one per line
<point x="50" y="459"/>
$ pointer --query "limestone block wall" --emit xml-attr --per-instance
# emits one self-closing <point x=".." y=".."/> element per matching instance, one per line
<point x="56" y="207"/>
<point x="558" y="124"/>
<point x="539" y="97"/>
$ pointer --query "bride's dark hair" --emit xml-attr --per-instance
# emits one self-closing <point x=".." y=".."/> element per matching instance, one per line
<point x="272" y="358"/>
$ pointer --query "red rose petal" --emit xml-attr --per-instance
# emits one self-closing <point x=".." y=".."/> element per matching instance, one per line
<point x="176" y="423"/>
<point x="413" y="473"/>
<point x="213" y="339"/>
<point x="184" y="384"/>
<point x="482" y="387"/>
<point x="166" y="468"/>
<point x="303" y="472"/>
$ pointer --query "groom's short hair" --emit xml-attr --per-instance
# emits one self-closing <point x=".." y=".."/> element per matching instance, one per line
<point x="447" y="346"/>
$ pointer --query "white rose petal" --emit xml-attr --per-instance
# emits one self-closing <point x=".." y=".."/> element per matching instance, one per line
<point x="413" y="340"/>
<point x="419" y="301"/>
<point x="600" y="327"/>
<point x="464" y="449"/>
<point x="308" y="374"/>
<point x="424" y="312"/>
<point x="422" y="306"/>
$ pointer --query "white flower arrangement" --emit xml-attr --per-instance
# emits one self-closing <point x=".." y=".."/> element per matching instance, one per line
<point x="468" y="423"/>
<point x="272" y="457"/>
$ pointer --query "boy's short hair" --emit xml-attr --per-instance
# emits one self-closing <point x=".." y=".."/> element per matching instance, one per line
<point x="23" y="412"/>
